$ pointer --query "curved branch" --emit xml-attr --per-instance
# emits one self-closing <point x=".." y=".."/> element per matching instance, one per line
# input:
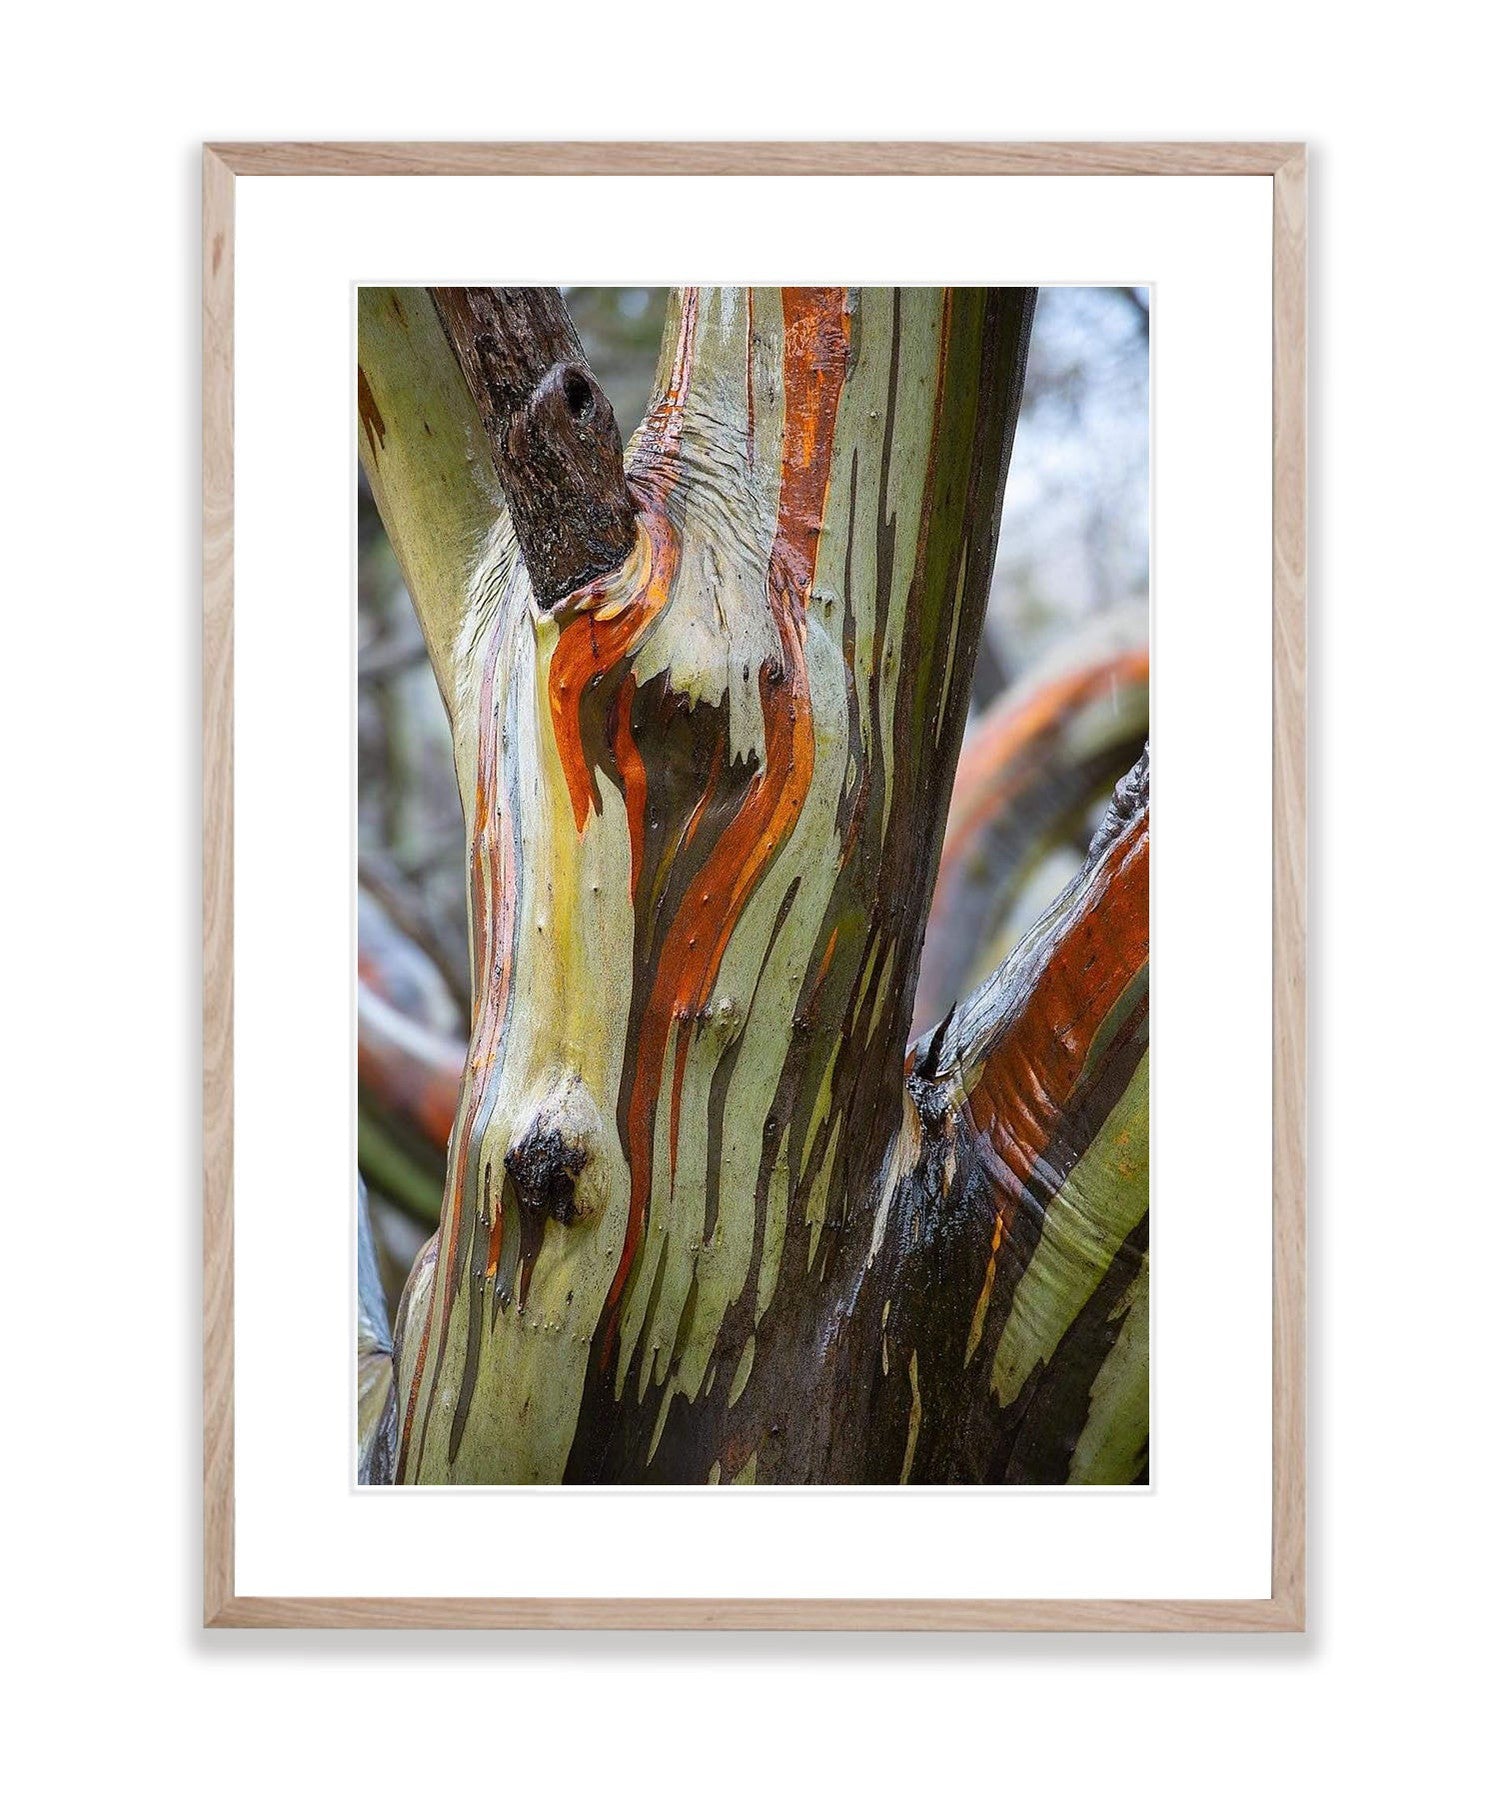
<point x="1031" y="771"/>
<point x="411" y="1062"/>
<point x="412" y="1071"/>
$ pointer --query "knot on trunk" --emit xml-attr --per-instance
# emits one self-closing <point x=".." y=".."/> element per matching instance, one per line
<point x="545" y="1165"/>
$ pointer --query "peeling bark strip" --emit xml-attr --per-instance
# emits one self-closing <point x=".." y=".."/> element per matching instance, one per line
<point x="702" y="1221"/>
<point x="551" y="431"/>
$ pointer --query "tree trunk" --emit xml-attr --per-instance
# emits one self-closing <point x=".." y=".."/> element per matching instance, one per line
<point x="704" y="1218"/>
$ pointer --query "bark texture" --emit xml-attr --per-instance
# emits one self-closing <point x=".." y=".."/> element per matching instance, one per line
<point x="426" y="457"/>
<point x="551" y="432"/>
<point x="1034" y="768"/>
<point x="705" y="1219"/>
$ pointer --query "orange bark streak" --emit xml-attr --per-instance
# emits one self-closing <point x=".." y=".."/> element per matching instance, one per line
<point x="1032" y="1072"/>
<point x="590" y="645"/>
<point x="1015" y="1104"/>
<point x="815" y="361"/>
<point x="632" y="774"/>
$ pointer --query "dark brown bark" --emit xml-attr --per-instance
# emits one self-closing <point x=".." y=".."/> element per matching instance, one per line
<point x="551" y="430"/>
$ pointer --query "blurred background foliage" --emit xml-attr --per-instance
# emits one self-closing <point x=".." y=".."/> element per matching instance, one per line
<point x="1071" y="584"/>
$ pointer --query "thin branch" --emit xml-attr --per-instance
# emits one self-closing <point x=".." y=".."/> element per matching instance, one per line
<point x="1032" y="771"/>
<point x="380" y="879"/>
<point x="1079" y="962"/>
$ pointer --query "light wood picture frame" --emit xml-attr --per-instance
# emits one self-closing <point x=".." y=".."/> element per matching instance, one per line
<point x="1286" y="165"/>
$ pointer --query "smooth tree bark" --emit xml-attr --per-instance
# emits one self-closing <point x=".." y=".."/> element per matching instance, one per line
<point x="706" y="1218"/>
<point x="1035" y="768"/>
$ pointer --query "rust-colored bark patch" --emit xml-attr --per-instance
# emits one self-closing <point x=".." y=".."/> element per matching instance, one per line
<point x="369" y="416"/>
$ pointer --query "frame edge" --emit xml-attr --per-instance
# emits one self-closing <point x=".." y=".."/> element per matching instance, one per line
<point x="730" y="157"/>
<point x="1285" y="1609"/>
<point x="1289" y="858"/>
<point x="1110" y="1616"/>
<point x="218" y="887"/>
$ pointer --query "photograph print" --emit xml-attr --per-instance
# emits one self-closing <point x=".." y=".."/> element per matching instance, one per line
<point x="753" y="886"/>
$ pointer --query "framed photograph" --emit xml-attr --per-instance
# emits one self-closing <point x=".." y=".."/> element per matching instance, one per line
<point x="754" y="885"/>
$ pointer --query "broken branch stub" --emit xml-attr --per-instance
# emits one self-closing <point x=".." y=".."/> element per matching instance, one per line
<point x="551" y="431"/>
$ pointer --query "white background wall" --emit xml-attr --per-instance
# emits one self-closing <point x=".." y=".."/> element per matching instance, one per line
<point x="99" y="396"/>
